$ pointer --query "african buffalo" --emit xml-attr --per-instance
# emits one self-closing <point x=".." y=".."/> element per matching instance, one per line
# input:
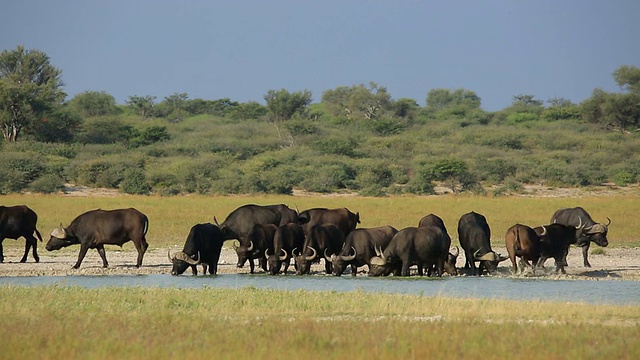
<point x="589" y="231"/>
<point x="554" y="243"/>
<point x="96" y="228"/>
<point x="359" y="248"/>
<point x="344" y="219"/>
<point x="257" y="241"/>
<point x="325" y="239"/>
<point x="475" y="239"/>
<point x="523" y="242"/>
<point x="17" y="221"/>
<point x="203" y="246"/>
<point x="452" y="257"/>
<point x="287" y="215"/>
<point x="287" y="238"/>
<point x="240" y="222"/>
<point x="423" y="246"/>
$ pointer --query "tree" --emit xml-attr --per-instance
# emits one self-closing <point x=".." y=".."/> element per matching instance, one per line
<point x="622" y="111"/>
<point x="142" y="105"/>
<point x="282" y="105"/>
<point x="628" y="78"/>
<point x="405" y="108"/>
<point x="527" y="100"/>
<point x="248" y="110"/>
<point x="440" y="99"/>
<point x="94" y="103"/>
<point x="58" y="125"/>
<point x="358" y="101"/>
<point x="29" y="87"/>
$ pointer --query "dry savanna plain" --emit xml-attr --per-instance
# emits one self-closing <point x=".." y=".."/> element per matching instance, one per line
<point x="53" y="322"/>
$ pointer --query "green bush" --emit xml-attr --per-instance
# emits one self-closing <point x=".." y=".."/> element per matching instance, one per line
<point x="301" y="127"/>
<point x="336" y="146"/>
<point x="386" y="127"/>
<point x="19" y="170"/>
<point x="135" y="182"/>
<point x="47" y="184"/>
<point x="521" y="117"/>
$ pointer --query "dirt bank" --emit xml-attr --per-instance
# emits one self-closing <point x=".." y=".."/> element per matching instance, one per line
<point x="614" y="264"/>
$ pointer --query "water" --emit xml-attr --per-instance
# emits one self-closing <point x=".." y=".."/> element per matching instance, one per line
<point x="586" y="291"/>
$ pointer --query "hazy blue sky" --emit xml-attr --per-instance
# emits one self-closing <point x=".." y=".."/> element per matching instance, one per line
<point x="241" y="49"/>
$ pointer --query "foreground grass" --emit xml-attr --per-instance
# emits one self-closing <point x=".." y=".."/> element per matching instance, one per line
<point x="172" y="217"/>
<point x="66" y="322"/>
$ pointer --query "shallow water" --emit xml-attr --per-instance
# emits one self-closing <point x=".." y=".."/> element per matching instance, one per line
<point x="587" y="291"/>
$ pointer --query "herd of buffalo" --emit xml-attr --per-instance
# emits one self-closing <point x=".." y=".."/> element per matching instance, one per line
<point x="275" y="234"/>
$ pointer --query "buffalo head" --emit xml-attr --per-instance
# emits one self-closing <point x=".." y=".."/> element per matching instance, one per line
<point x="597" y="233"/>
<point x="60" y="238"/>
<point x="490" y="260"/>
<point x="275" y="261"/>
<point x="181" y="261"/>
<point x="245" y="253"/>
<point x="340" y="262"/>
<point x="450" y="263"/>
<point x="303" y="261"/>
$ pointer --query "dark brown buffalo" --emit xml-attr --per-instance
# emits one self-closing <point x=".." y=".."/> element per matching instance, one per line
<point x="255" y="245"/>
<point x="554" y="243"/>
<point x="325" y="239"/>
<point x="424" y="246"/>
<point x="452" y="257"/>
<point x="287" y="215"/>
<point x="19" y="221"/>
<point x="96" y="228"/>
<point x="344" y="219"/>
<point x="359" y="248"/>
<point x="588" y="230"/>
<point x="287" y="238"/>
<point x="240" y="222"/>
<point x="475" y="239"/>
<point x="523" y="242"/>
<point x="203" y="246"/>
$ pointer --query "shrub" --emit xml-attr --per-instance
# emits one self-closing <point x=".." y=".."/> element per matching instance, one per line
<point x="336" y="146"/>
<point x="520" y="117"/>
<point x="301" y="127"/>
<point x="386" y="127"/>
<point x="47" y="184"/>
<point x="135" y="182"/>
<point x="328" y="178"/>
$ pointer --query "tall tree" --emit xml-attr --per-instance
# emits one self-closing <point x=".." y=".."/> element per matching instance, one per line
<point x="282" y="105"/>
<point x="29" y="87"/>
<point x="142" y="105"/>
<point x="628" y="78"/>
<point x="358" y="101"/>
<point x="439" y="99"/>
<point x="94" y="103"/>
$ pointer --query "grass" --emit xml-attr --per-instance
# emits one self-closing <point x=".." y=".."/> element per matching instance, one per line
<point x="171" y="217"/>
<point x="56" y="322"/>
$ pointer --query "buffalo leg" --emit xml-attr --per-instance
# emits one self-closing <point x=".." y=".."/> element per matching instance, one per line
<point x="585" y="254"/>
<point x="328" y="267"/>
<point x="194" y="270"/>
<point x="141" y="246"/>
<point x="1" y="251"/>
<point x="251" y="266"/>
<point x="354" y="270"/>
<point x="103" y="255"/>
<point x="81" y="254"/>
<point x="30" y="242"/>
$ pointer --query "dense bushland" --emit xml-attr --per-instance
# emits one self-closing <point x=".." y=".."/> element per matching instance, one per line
<point x="209" y="154"/>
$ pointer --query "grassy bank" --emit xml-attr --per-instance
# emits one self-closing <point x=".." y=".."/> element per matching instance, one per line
<point x="172" y="217"/>
<point x="66" y="322"/>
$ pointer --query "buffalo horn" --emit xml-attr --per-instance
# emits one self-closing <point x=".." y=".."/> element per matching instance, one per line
<point x="169" y="255"/>
<point x="59" y="232"/>
<point x="293" y="252"/>
<point x="490" y="256"/>
<point x="186" y="258"/>
<point x="315" y="253"/>
<point x="265" y="253"/>
<point x="378" y="250"/>
<point x="544" y="231"/>
<point x="579" y="224"/>
<point x="608" y="222"/>
<point x="250" y="246"/>
<point x="216" y="221"/>
<point x="284" y="257"/>
<point x="350" y="257"/>
<point x="235" y="247"/>
<point x="327" y="257"/>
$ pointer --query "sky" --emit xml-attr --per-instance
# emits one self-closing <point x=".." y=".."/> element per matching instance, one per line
<point x="242" y="49"/>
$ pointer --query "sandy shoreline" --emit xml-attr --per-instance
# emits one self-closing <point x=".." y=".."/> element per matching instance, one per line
<point x="614" y="264"/>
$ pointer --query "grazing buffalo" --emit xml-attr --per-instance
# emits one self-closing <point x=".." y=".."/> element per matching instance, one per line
<point x="287" y="238"/>
<point x="589" y="231"/>
<point x="203" y="246"/>
<point x="325" y="239"/>
<point x="475" y="239"/>
<point x="344" y="219"/>
<point x="452" y="257"/>
<point x="424" y="246"/>
<point x="17" y="221"/>
<point x="523" y="242"/>
<point x="254" y="246"/>
<point x="554" y="243"/>
<point x="96" y="228"/>
<point x="359" y="248"/>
